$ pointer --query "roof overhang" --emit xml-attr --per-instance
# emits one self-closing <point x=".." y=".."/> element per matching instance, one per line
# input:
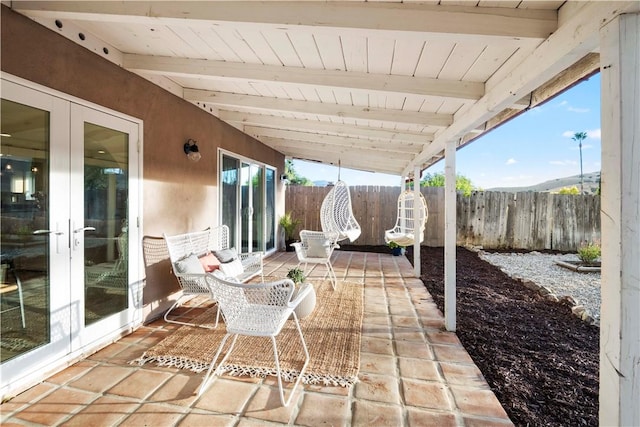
<point x="373" y="86"/>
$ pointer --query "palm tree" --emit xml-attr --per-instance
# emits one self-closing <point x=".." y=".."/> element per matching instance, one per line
<point x="579" y="137"/>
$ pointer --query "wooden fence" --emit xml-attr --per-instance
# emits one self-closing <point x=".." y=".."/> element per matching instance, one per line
<point x="493" y="220"/>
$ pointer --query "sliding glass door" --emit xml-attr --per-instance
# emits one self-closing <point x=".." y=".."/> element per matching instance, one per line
<point x="248" y="203"/>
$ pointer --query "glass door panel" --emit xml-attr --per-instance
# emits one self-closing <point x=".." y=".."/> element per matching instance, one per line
<point x="245" y="206"/>
<point x="270" y="209"/>
<point x="257" y="208"/>
<point x="229" y="200"/>
<point x="106" y="166"/>
<point x="102" y="295"/>
<point x="24" y="269"/>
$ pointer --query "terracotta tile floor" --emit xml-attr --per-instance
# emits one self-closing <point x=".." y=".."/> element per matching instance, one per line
<point x="412" y="373"/>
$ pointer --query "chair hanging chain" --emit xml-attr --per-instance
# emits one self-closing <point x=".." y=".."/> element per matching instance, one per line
<point x="408" y="181"/>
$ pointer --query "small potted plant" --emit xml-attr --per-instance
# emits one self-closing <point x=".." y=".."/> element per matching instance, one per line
<point x="396" y="249"/>
<point x="297" y="275"/>
<point x="307" y="305"/>
<point x="289" y="225"/>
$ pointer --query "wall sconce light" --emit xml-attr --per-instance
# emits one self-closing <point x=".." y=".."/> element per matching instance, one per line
<point x="191" y="150"/>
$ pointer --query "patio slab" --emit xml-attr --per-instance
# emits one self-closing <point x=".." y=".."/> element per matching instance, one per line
<point x="411" y="372"/>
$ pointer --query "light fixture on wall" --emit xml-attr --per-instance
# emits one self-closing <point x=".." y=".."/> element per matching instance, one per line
<point x="191" y="150"/>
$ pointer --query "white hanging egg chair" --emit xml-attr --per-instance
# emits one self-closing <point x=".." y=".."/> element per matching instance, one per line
<point x="336" y="214"/>
<point x="403" y="233"/>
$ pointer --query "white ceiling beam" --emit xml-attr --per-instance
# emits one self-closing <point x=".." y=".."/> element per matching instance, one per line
<point x="316" y="126"/>
<point x="575" y="38"/>
<point x="346" y="160"/>
<point x="398" y="20"/>
<point x="331" y="147"/>
<point x="266" y="103"/>
<point x="238" y="71"/>
<point x="336" y="141"/>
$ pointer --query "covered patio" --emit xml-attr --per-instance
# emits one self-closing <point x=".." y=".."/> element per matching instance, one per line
<point x="389" y="87"/>
<point x="411" y="372"/>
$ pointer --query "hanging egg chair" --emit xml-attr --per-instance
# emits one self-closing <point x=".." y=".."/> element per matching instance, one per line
<point x="336" y="214"/>
<point x="403" y="233"/>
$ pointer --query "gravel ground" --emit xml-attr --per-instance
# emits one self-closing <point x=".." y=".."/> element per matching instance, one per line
<point x="542" y="270"/>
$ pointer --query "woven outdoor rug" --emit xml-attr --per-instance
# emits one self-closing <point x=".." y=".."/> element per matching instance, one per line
<point x="332" y="333"/>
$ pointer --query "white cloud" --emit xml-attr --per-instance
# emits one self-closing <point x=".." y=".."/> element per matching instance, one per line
<point x="568" y="133"/>
<point x="563" y="162"/>
<point x="511" y="161"/>
<point x="563" y="103"/>
<point x="578" y="110"/>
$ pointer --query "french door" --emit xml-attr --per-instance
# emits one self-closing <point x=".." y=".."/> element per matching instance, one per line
<point x="68" y="216"/>
<point x="248" y="203"/>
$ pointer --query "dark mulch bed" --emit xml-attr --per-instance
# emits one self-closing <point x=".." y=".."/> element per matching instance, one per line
<point x="540" y="360"/>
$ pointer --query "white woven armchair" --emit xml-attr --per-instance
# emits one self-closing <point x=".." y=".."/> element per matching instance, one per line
<point x="316" y="247"/>
<point x="185" y="251"/>
<point x="259" y="310"/>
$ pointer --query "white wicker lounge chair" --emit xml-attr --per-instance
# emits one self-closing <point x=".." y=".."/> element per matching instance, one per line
<point x="259" y="310"/>
<point x="8" y="288"/>
<point x="195" y="255"/>
<point x="111" y="275"/>
<point x="316" y="247"/>
<point x="403" y="233"/>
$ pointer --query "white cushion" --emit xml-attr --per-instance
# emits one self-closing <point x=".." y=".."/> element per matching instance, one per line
<point x="233" y="268"/>
<point x="189" y="265"/>
<point x="317" y="248"/>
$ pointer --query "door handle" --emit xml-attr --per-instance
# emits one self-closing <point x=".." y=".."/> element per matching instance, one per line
<point x="76" y="240"/>
<point x="53" y="232"/>
<point x="80" y="230"/>
<point x="57" y="233"/>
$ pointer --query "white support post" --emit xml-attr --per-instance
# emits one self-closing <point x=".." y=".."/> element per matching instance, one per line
<point x="620" y="222"/>
<point x="450" y="236"/>
<point x="416" y="224"/>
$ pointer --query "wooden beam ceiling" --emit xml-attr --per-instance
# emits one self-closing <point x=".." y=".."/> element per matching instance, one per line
<point x="271" y="104"/>
<point x="435" y="22"/>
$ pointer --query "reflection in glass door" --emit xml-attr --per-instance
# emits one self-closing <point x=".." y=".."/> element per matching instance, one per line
<point x="229" y="196"/>
<point x="106" y="165"/>
<point x="24" y="273"/>
<point x="270" y="209"/>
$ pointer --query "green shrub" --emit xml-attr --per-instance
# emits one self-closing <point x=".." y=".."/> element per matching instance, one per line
<point x="589" y="253"/>
<point x="569" y="190"/>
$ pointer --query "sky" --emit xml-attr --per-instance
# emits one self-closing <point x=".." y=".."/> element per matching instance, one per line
<point x="532" y="148"/>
